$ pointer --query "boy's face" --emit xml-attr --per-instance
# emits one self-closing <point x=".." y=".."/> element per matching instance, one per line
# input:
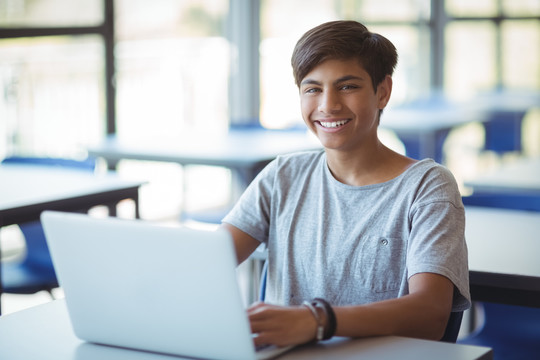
<point x="340" y="105"/>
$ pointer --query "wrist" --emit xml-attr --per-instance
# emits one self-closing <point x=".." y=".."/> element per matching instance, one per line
<point x="324" y="316"/>
<point x="317" y="315"/>
<point x="330" y="323"/>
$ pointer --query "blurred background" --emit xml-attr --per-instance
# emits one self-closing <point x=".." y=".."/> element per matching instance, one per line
<point x="74" y="72"/>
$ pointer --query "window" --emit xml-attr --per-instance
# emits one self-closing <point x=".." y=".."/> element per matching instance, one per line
<point x="174" y="59"/>
<point x="50" y="13"/>
<point x="173" y="64"/>
<point x="469" y="67"/>
<point x="173" y="67"/>
<point x="58" y="81"/>
<point x="490" y="45"/>
<point x="52" y="101"/>
<point x="52" y="76"/>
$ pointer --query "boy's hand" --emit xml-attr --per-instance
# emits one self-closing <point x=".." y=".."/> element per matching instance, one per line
<point x="280" y="325"/>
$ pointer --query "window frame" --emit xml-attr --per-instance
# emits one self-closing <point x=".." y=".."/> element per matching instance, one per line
<point x="105" y="30"/>
<point x="244" y="16"/>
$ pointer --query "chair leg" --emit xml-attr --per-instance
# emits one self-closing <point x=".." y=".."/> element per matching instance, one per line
<point x="50" y="292"/>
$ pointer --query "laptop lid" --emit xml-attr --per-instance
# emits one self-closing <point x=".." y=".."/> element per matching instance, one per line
<point x="136" y="284"/>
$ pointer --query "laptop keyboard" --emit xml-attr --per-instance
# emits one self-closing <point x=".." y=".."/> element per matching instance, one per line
<point x="262" y="347"/>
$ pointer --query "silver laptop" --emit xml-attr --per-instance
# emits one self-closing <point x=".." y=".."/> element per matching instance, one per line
<point x="139" y="285"/>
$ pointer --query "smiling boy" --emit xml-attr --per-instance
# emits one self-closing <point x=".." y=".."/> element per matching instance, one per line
<point x="361" y="240"/>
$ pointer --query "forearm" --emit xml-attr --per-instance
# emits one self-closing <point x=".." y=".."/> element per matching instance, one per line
<point x="409" y="316"/>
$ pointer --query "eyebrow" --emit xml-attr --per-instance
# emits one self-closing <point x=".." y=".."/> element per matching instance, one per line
<point x="338" y="81"/>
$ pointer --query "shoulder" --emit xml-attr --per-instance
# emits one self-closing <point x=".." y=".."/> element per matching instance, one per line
<point x="429" y="170"/>
<point x="301" y="157"/>
<point x="298" y="162"/>
<point x="427" y="165"/>
<point x="289" y="170"/>
<point x="434" y="182"/>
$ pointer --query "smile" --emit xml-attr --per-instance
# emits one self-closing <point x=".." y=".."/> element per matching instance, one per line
<point x="333" y="124"/>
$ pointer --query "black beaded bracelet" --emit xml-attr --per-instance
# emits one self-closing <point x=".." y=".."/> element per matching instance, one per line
<point x="330" y="328"/>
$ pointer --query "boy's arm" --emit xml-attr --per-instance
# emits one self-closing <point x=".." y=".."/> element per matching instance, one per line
<point x="424" y="313"/>
<point x="244" y="244"/>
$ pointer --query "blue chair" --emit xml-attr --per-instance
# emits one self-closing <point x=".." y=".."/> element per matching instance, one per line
<point x="503" y="131"/>
<point x="517" y="201"/>
<point x="513" y="332"/>
<point x="450" y="334"/>
<point x="35" y="272"/>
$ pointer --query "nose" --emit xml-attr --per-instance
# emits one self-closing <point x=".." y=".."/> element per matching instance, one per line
<point x="329" y="102"/>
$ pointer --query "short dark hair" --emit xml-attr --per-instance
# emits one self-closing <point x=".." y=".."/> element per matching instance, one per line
<point x="344" y="40"/>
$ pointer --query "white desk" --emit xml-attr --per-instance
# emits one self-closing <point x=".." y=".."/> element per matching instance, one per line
<point x="503" y="255"/>
<point x="245" y="151"/>
<point x="521" y="176"/>
<point x="424" y="125"/>
<point x="28" y="190"/>
<point x="505" y="110"/>
<point x="44" y="332"/>
<point x="423" y="129"/>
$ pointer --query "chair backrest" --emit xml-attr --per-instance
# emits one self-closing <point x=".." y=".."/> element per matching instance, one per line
<point x="450" y="334"/>
<point x="529" y="202"/>
<point x="262" y="288"/>
<point x="453" y="326"/>
<point x="37" y="252"/>
<point x="85" y="164"/>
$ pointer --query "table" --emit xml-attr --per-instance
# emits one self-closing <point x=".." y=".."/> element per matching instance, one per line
<point x="27" y="190"/>
<point x="44" y="332"/>
<point x="505" y="112"/>
<point x="518" y="177"/>
<point x="423" y="128"/>
<point x="514" y="185"/>
<point x="244" y="151"/>
<point x="424" y="124"/>
<point x="503" y="255"/>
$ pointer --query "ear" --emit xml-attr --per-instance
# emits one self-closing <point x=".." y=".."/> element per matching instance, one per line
<point x="384" y="90"/>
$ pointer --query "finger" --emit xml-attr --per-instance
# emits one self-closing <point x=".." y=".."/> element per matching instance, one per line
<point x="257" y="327"/>
<point x="260" y="339"/>
<point x="256" y="303"/>
<point x="260" y="312"/>
<point x="272" y="337"/>
<point x="255" y="307"/>
<point x="263" y="322"/>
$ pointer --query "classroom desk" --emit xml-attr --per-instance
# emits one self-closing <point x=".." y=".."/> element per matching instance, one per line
<point x="44" y="332"/>
<point x="244" y="151"/>
<point x="423" y="125"/>
<point x="514" y="185"/>
<point x="518" y="177"/>
<point x="424" y="128"/>
<point x="27" y="190"/>
<point x="505" y="111"/>
<point x="503" y="255"/>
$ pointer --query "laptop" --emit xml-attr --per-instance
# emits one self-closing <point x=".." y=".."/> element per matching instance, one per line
<point x="139" y="285"/>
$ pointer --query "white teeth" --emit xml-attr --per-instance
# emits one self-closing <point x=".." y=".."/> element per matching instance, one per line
<point x="333" y="124"/>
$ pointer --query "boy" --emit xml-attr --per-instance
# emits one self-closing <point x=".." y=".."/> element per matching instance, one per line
<point x="361" y="240"/>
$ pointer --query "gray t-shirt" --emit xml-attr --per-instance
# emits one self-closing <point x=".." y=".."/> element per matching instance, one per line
<point x="353" y="244"/>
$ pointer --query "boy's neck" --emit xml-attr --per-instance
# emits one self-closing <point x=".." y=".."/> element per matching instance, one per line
<point x="361" y="168"/>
